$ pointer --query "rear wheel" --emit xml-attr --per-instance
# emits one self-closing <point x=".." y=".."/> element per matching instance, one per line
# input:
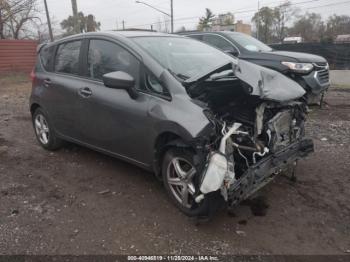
<point x="44" y="132"/>
<point x="179" y="178"/>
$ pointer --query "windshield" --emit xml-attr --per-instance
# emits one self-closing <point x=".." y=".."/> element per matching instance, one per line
<point x="184" y="57"/>
<point x="249" y="43"/>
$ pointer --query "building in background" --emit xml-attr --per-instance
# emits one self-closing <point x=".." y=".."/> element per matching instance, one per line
<point x="341" y="39"/>
<point x="225" y="22"/>
<point x="293" y="40"/>
<point x="243" y="28"/>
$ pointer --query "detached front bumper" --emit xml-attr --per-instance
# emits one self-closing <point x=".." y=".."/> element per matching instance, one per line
<point x="266" y="169"/>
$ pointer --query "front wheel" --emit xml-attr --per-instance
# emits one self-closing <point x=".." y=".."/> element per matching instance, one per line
<point x="179" y="178"/>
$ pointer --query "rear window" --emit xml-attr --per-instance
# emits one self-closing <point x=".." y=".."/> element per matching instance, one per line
<point x="46" y="57"/>
<point x="67" y="58"/>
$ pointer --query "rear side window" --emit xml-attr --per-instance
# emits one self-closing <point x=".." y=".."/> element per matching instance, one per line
<point x="67" y="58"/>
<point x="218" y="42"/>
<point x="46" y="57"/>
<point x="105" y="57"/>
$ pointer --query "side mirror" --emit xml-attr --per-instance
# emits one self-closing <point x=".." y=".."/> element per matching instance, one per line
<point x="120" y="80"/>
<point x="232" y="52"/>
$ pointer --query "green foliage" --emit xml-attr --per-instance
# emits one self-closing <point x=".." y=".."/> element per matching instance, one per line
<point x="206" y="20"/>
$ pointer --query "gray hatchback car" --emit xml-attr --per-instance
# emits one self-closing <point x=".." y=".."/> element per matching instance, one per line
<point x="213" y="128"/>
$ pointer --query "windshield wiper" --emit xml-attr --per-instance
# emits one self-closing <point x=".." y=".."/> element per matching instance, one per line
<point x="228" y="74"/>
<point x="178" y="75"/>
<point x="202" y="77"/>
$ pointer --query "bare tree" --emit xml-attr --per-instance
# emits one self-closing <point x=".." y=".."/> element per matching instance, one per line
<point x="14" y="15"/>
<point x="283" y="14"/>
<point x="39" y="30"/>
<point x="17" y="23"/>
<point x="310" y="27"/>
<point x="337" y="25"/>
<point x="264" y="22"/>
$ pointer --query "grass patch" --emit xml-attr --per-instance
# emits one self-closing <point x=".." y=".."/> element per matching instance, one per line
<point x="14" y="78"/>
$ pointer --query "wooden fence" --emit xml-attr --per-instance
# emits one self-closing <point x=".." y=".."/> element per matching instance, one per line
<point x="17" y="55"/>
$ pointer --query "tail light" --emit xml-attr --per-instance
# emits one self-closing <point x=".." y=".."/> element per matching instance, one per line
<point x="32" y="75"/>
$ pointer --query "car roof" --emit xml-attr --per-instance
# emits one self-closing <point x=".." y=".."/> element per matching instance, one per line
<point x="123" y="34"/>
<point x="112" y="33"/>
<point x="211" y="32"/>
<point x="136" y="33"/>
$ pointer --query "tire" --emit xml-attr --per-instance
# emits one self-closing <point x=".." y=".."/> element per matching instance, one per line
<point x="176" y="186"/>
<point x="44" y="131"/>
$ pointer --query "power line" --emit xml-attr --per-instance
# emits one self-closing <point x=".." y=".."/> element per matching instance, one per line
<point x="249" y="11"/>
<point x="237" y="12"/>
<point x="142" y="10"/>
<point x="340" y="3"/>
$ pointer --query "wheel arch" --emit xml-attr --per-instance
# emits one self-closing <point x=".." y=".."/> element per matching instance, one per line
<point x="33" y="107"/>
<point x="163" y="142"/>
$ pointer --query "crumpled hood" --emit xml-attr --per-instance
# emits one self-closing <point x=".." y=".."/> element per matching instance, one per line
<point x="268" y="84"/>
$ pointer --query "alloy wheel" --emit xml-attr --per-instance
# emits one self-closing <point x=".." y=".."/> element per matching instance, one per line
<point x="42" y="129"/>
<point x="180" y="175"/>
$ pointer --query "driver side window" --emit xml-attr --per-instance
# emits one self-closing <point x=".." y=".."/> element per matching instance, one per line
<point x="218" y="42"/>
<point x="105" y="57"/>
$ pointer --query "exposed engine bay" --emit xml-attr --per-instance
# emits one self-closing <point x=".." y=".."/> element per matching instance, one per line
<point x="254" y="138"/>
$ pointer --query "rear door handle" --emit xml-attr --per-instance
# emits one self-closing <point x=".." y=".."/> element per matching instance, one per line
<point x="47" y="82"/>
<point x="85" y="92"/>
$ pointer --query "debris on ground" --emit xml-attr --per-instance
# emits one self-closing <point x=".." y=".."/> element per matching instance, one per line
<point x="140" y="219"/>
<point x="104" y="192"/>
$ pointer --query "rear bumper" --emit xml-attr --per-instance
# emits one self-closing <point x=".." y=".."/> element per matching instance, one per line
<point x="266" y="169"/>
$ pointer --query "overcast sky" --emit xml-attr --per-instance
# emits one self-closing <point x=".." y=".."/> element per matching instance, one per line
<point x="111" y="13"/>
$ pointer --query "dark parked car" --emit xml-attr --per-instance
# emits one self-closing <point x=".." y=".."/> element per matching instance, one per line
<point x="213" y="128"/>
<point x="310" y="71"/>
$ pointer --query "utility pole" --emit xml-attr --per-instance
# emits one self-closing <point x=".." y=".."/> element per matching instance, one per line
<point x="48" y="21"/>
<point x="75" y="16"/>
<point x="123" y="25"/>
<point x="258" y="27"/>
<point x="151" y="27"/>
<point x="1" y="25"/>
<point x="172" y="16"/>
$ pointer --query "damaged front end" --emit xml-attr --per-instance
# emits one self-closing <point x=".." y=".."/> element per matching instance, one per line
<point x="259" y="129"/>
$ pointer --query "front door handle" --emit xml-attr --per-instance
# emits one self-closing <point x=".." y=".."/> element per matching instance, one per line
<point x="85" y="92"/>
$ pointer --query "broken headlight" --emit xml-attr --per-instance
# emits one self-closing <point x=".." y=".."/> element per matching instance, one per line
<point x="303" y="68"/>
